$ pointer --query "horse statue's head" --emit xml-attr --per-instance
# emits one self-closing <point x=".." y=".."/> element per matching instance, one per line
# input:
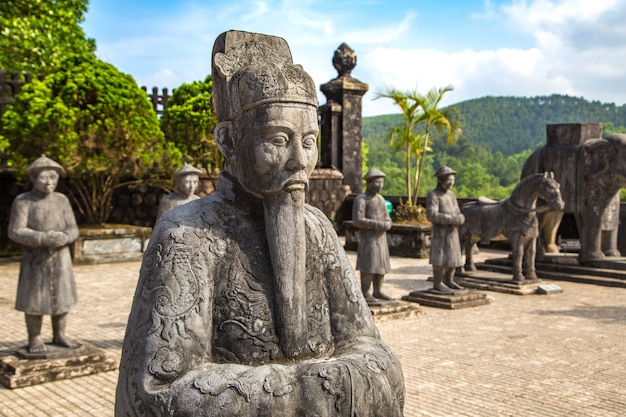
<point x="549" y="190"/>
<point x="534" y="187"/>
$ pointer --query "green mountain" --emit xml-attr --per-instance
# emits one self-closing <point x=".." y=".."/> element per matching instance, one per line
<point x="513" y="124"/>
<point x="499" y="133"/>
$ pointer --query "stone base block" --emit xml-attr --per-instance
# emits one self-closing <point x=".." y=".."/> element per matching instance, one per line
<point x="449" y="301"/>
<point x="493" y="281"/>
<point x="24" y="369"/>
<point x="394" y="309"/>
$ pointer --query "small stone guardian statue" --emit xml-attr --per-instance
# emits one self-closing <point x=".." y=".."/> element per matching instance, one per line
<point x="442" y="210"/>
<point x="186" y="179"/>
<point x="246" y="303"/>
<point x="370" y="215"/>
<point x="43" y="222"/>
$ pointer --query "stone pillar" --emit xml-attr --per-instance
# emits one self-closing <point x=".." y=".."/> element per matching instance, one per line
<point x="341" y="120"/>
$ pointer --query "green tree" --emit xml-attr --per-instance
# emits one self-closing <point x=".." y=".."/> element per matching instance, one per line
<point x="403" y="137"/>
<point x="188" y="123"/>
<point x="96" y="122"/>
<point x="431" y="116"/>
<point x="421" y="113"/>
<point x="34" y="34"/>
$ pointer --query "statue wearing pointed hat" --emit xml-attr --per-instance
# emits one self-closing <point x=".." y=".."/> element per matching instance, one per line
<point x="442" y="210"/>
<point x="187" y="179"/>
<point x="246" y="302"/>
<point x="370" y="215"/>
<point x="43" y="222"/>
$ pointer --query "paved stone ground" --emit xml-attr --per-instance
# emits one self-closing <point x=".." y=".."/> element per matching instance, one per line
<point x="536" y="355"/>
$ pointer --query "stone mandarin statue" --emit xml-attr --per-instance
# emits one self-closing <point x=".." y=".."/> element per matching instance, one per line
<point x="442" y="210"/>
<point x="186" y="179"/>
<point x="370" y="215"/>
<point x="246" y="304"/>
<point x="43" y="222"/>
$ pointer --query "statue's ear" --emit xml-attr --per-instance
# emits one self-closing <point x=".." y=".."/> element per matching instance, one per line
<point x="593" y="144"/>
<point x="223" y="134"/>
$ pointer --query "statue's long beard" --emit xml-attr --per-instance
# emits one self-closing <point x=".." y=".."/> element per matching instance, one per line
<point x="285" y="231"/>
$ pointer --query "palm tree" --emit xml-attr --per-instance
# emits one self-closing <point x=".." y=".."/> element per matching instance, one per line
<point x="420" y="110"/>
<point x="403" y="136"/>
<point x="441" y="119"/>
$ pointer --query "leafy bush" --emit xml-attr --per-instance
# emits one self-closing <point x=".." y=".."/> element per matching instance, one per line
<point x="96" y="122"/>
<point x="188" y="123"/>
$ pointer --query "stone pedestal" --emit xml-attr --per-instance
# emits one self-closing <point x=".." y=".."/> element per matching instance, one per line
<point x="110" y="243"/>
<point x="403" y="240"/>
<point x="450" y="301"/>
<point x="494" y="281"/>
<point x="23" y="369"/>
<point x="393" y="309"/>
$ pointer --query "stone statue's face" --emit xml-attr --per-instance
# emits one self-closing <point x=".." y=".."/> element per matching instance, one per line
<point x="374" y="186"/>
<point x="187" y="184"/>
<point x="448" y="181"/>
<point x="46" y="181"/>
<point x="277" y="148"/>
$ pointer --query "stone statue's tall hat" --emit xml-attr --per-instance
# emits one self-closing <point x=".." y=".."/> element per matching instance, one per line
<point x="444" y="171"/>
<point x="43" y="162"/>
<point x="252" y="69"/>
<point x="187" y="169"/>
<point x="374" y="173"/>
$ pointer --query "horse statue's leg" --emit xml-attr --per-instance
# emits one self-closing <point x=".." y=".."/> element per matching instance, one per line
<point x="469" y="255"/>
<point x="530" y="250"/>
<point x="517" y="246"/>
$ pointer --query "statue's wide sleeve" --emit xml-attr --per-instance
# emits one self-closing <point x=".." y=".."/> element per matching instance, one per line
<point x="360" y="219"/>
<point x="19" y="231"/>
<point x="167" y="368"/>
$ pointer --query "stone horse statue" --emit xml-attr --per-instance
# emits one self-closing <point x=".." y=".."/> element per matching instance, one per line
<point x="514" y="218"/>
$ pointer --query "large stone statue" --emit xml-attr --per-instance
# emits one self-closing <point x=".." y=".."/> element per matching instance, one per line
<point x="591" y="170"/>
<point x="370" y="215"/>
<point x="43" y="222"/>
<point x="246" y="303"/>
<point x="442" y="210"/>
<point x="186" y="179"/>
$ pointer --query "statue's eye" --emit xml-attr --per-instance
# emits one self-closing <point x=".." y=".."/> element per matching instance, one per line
<point x="279" y="140"/>
<point x="309" y="141"/>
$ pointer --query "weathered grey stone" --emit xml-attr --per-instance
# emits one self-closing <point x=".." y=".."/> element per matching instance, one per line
<point x="43" y="222"/>
<point x="370" y="216"/>
<point x="341" y="120"/>
<point x="187" y="179"/>
<point x="110" y="243"/>
<point x="515" y="219"/>
<point x="442" y="210"/>
<point x="591" y="171"/>
<point x="246" y="303"/>
<point x="55" y="364"/>
<point x="549" y="289"/>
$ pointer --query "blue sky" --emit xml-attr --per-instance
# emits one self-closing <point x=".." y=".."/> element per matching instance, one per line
<point x="481" y="48"/>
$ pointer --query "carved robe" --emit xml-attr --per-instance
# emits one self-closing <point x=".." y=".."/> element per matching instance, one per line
<point x="46" y="284"/>
<point x="201" y="337"/>
<point x="370" y="215"/>
<point x="441" y="209"/>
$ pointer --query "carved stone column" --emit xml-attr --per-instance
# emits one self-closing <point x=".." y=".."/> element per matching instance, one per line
<point x="342" y="121"/>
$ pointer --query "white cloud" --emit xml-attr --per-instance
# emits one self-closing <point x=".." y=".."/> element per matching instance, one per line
<point x="579" y="51"/>
<point x="576" y="47"/>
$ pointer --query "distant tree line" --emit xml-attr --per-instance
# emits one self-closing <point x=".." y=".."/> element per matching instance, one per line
<point x="499" y="133"/>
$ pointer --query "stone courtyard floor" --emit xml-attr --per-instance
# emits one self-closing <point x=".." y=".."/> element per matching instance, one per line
<point x="534" y="355"/>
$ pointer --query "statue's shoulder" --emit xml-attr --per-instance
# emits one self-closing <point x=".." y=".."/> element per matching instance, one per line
<point x="202" y="213"/>
<point x="316" y="214"/>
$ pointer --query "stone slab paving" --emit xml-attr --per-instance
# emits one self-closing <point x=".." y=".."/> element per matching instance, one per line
<point x="537" y="355"/>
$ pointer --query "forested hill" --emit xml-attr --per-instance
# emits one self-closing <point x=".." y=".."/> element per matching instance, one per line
<point x="514" y="124"/>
